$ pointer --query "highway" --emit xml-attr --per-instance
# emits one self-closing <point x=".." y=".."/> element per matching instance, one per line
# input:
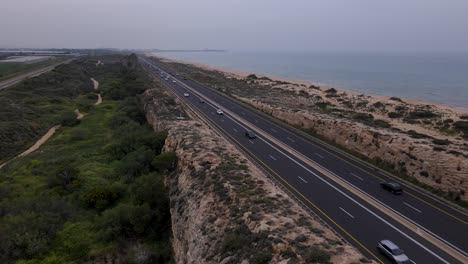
<point x="343" y="191"/>
<point x="19" y="78"/>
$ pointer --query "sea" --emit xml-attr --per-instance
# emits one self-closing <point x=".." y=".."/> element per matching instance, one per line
<point x="438" y="78"/>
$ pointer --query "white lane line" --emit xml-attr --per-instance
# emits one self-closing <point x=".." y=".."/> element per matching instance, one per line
<point x="222" y="120"/>
<point x="243" y="113"/>
<point x="356" y="176"/>
<point x="273" y="158"/>
<point x="251" y="141"/>
<point x="290" y="139"/>
<point x="256" y="121"/>
<point x="235" y="129"/>
<point x="354" y="200"/>
<point x="273" y="130"/>
<point x="302" y="179"/>
<point x="319" y="155"/>
<point x="419" y="211"/>
<point x="412" y="261"/>
<point x="350" y="215"/>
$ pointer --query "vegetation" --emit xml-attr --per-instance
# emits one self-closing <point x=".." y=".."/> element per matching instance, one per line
<point x="10" y="70"/>
<point x="95" y="190"/>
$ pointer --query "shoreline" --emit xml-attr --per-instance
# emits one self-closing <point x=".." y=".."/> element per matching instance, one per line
<point x="242" y="74"/>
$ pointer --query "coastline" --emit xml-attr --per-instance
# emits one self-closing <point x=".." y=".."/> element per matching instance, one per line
<point x="377" y="97"/>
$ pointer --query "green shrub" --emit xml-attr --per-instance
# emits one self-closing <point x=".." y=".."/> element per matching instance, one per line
<point x="421" y="114"/>
<point x="165" y="161"/>
<point x="100" y="196"/>
<point x="441" y="141"/>
<point x="69" y="119"/>
<point x="381" y="123"/>
<point x="394" y="115"/>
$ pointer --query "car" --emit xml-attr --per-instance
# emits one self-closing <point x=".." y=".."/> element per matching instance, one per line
<point x="392" y="251"/>
<point x="177" y="74"/>
<point x="185" y="78"/>
<point x="250" y="134"/>
<point x="166" y="79"/>
<point x="392" y="186"/>
<point x="186" y="94"/>
<point x="173" y="81"/>
<point x="219" y="112"/>
<point x="201" y="100"/>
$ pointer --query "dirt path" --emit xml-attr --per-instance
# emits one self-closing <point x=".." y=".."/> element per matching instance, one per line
<point x="96" y="86"/>
<point x="36" y="145"/>
<point x="79" y="115"/>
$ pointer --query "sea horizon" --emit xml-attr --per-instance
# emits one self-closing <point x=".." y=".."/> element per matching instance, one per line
<point x="439" y="78"/>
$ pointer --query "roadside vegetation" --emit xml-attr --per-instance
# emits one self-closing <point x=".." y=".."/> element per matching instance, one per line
<point x="95" y="191"/>
<point x="9" y="70"/>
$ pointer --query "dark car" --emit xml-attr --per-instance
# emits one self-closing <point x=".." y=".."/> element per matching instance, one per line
<point x="393" y="252"/>
<point x="185" y="78"/>
<point x="201" y="100"/>
<point x="393" y="187"/>
<point x="250" y="134"/>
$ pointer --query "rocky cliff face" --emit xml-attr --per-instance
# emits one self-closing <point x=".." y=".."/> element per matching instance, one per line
<point x="425" y="143"/>
<point x="224" y="210"/>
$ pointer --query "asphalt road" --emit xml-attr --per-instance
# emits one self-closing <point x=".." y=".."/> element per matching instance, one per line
<point x="19" y="78"/>
<point x="352" y="217"/>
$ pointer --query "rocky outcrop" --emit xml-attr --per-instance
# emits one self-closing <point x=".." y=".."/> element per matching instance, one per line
<point x="425" y="143"/>
<point x="224" y="210"/>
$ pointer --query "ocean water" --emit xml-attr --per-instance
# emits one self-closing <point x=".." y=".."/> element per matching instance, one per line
<point x="438" y="78"/>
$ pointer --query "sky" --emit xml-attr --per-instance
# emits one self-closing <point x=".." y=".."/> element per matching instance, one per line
<point x="238" y="25"/>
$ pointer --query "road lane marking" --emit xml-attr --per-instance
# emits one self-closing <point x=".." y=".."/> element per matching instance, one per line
<point x="256" y="121"/>
<point x="419" y="211"/>
<point x="380" y="218"/>
<point x="412" y="261"/>
<point x="350" y="215"/>
<point x="356" y="176"/>
<point x="273" y="130"/>
<point x="222" y="120"/>
<point x="243" y="113"/>
<point x="251" y="141"/>
<point x="302" y="179"/>
<point x="319" y="155"/>
<point x="290" y="139"/>
<point x="273" y="158"/>
<point x="235" y="129"/>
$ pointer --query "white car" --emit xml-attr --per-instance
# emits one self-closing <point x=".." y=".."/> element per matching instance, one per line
<point x="219" y="112"/>
<point x="186" y="94"/>
<point x="173" y="81"/>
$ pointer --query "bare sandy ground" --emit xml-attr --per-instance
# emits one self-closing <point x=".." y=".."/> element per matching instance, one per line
<point x="96" y="87"/>
<point x="36" y="145"/>
<point x="79" y="115"/>
<point x="297" y="83"/>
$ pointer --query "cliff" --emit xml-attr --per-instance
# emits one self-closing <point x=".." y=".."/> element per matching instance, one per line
<point x="424" y="143"/>
<point x="223" y="209"/>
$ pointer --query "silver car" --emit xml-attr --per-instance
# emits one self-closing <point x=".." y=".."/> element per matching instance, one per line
<point x="393" y="252"/>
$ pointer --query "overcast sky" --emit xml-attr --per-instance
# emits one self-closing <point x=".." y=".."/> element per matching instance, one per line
<point x="274" y="25"/>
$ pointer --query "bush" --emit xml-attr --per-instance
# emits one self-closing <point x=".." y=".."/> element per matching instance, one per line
<point x="100" y="196"/>
<point x="381" y="123"/>
<point x="461" y="126"/>
<point x="464" y="117"/>
<point x="441" y="141"/>
<point x="394" y="115"/>
<point x="421" y="114"/>
<point x="424" y="173"/>
<point x="363" y="116"/>
<point x="396" y="99"/>
<point x="165" y="161"/>
<point x="331" y="91"/>
<point x="69" y="119"/>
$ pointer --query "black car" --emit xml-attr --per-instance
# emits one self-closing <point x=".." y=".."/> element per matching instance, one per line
<point x="393" y="187"/>
<point x="185" y="78"/>
<point x="201" y="101"/>
<point x="250" y="134"/>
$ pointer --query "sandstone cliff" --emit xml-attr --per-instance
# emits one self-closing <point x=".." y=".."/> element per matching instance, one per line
<point x="423" y="142"/>
<point x="224" y="210"/>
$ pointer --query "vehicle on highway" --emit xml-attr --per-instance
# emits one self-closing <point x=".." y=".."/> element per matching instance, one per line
<point x="391" y="186"/>
<point x="177" y="74"/>
<point x="173" y="81"/>
<point x="166" y="79"/>
<point x="219" y="112"/>
<point x="201" y="100"/>
<point x="186" y="95"/>
<point x="393" y="252"/>
<point x="250" y="134"/>
<point x="185" y="78"/>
